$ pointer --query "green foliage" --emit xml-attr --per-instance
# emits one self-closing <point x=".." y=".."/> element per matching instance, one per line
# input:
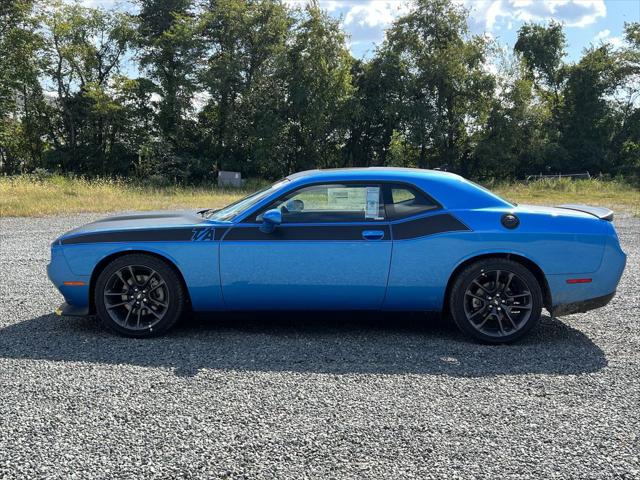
<point x="442" y="88"/>
<point x="318" y="87"/>
<point x="542" y="49"/>
<point x="245" y="43"/>
<point x="21" y="99"/>
<point x="184" y="88"/>
<point x="170" y="47"/>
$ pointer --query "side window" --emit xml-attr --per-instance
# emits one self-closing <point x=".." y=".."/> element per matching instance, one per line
<point x="405" y="201"/>
<point x="332" y="203"/>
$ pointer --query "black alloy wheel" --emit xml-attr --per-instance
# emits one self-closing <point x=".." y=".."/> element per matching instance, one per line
<point x="139" y="295"/>
<point x="496" y="300"/>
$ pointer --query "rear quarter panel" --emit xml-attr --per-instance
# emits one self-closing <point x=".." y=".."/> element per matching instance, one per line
<point x="421" y="268"/>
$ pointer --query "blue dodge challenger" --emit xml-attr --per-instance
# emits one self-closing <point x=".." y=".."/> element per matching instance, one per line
<point x="345" y="239"/>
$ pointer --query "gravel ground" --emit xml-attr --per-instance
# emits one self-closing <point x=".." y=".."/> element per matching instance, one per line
<point x="279" y="396"/>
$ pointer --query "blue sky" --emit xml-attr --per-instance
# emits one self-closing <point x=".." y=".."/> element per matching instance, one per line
<point x="586" y="21"/>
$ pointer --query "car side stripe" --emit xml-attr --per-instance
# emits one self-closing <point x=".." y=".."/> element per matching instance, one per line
<point x="307" y="232"/>
<point x="148" y="235"/>
<point x="420" y="227"/>
<point x="425" y="226"/>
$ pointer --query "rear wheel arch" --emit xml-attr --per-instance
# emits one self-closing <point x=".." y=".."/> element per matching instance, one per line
<point x="524" y="261"/>
<point x="102" y="264"/>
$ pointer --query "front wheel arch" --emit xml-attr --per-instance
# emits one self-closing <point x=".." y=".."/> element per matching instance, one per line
<point x="524" y="261"/>
<point x="101" y="265"/>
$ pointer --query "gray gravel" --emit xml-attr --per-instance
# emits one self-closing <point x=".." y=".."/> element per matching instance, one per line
<point x="310" y="396"/>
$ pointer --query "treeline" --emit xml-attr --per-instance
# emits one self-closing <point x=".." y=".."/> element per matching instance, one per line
<point x="182" y="88"/>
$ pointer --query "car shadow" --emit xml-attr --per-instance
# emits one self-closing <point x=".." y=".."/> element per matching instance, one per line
<point x="320" y="342"/>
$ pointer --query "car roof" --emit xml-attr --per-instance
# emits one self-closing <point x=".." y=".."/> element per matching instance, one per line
<point x="391" y="173"/>
<point x="450" y="190"/>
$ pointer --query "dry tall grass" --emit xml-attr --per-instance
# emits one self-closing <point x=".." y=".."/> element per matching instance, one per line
<point x="614" y="194"/>
<point x="26" y="196"/>
<point x="29" y="196"/>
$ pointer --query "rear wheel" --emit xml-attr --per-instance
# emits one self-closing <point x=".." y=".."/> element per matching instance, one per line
<point x="139" y="295"/>
<point x="496" y="300"/>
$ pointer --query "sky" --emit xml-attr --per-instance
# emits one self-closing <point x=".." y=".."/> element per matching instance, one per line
<point x="586" y="22"/>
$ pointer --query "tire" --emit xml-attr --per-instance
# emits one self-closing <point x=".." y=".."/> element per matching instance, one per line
<point x="495" y="300"/>
<point x="139" y="296"/>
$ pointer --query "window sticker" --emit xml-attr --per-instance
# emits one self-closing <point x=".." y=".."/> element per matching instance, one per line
<point x="372" y="209"/>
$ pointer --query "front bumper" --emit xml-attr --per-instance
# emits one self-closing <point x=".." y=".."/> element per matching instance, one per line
<point x="58" y="271"/>
<point x="582" y="306"/>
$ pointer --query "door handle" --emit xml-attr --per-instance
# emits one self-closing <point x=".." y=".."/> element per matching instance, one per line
<point x="373" y="234"/>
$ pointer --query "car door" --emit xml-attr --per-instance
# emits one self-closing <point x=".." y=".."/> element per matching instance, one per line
<point x="331" y="251"/>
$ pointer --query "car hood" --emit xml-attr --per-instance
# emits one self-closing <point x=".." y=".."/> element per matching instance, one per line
<point x="142" y="221"/>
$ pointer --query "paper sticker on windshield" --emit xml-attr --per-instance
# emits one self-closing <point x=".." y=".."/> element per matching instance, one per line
<point x="372" y="209"/>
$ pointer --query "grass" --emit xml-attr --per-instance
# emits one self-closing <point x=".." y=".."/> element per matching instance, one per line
<point x="614" y="194"/>
<point x="27" y="196"/>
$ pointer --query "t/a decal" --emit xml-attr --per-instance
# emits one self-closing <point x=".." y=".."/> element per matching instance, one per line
<point x="203" y="234"/>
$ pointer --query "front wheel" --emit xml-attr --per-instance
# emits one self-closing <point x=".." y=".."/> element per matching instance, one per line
<point x="496" y="300"/>
<point x="139" y="296"/>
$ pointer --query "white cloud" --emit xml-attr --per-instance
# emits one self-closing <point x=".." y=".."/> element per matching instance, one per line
<point x="328" y="5"/>
<point x="573" y="13"/>
<point x="605" y="36"/>
<point x="117" y="5"/>
<point x="616" y="41"/>
<point x="375" y="12"/>
<point x="372" y="13"/>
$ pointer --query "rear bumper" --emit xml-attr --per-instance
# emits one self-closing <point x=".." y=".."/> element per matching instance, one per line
<point x="67" y="310"/>
<point x="568" y="297"/>
<point x="581" y="306"/>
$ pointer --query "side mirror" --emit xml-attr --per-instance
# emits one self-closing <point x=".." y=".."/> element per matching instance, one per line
<point x="270" y="220"/>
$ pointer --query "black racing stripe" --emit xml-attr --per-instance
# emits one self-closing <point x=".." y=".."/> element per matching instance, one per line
<point x="151" y="235"/>
<point x="329" y="232"/>
<point x="425" y="226"/>
<point x="219" y="233"/>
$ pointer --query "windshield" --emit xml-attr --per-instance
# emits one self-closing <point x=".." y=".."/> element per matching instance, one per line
<point x="231" y="211"/>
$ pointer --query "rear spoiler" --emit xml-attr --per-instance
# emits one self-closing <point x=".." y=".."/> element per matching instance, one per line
<point x="600" y="212"/>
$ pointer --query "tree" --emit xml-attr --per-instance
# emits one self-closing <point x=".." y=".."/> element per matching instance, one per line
<point x="170" y="47"/>
<point x="625" y="145"/>
<point x="317" y="76"/>
<point x="84" y="51"/>
<point x="375" y="109"/>
<point x="244" y="43"/>
<point x="187" y="87"/>
<point x="542" y="49"/>
<point x="588" y="116"/>
<point x="512" y="144"/>
<point x="21" y="98"/>
<point x="443" y="86"/>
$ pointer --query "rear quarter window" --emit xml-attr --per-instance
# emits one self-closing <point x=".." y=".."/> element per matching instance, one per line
<point x="404" y="201"/>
